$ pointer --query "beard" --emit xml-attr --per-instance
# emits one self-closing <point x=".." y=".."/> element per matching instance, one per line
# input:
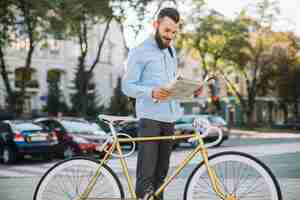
<point x="160" y="41"/>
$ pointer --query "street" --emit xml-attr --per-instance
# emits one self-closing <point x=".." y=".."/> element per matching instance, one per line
<point x="281" y="155"/>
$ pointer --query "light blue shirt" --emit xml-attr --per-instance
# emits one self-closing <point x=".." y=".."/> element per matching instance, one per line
<point x="149" y="67"/>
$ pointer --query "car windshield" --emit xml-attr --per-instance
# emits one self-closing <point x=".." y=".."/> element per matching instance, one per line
<point x="27" y="127"/>
<point x="216" y="120"/>
<point x="185" y="120"/>
<point x="79" y="127"/>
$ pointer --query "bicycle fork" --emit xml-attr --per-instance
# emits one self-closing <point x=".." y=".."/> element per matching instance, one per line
<point x="93" y="181"/>
<point x="214" y="179"/>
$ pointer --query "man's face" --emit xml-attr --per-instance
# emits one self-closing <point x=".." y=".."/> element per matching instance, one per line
<point x="166" y="30"/>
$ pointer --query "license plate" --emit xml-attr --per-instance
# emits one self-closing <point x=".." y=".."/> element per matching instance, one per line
<point x="38" y="138"/>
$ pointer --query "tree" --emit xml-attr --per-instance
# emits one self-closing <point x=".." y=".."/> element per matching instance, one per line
<point x="26" y="20"/>
<point x="213" y="39"/>
<point x="55" y="102"/>
<point x="287" y="74"/>
<point x="54" y="94"/>
<point x="243" y="47"/>
<point x="255" y="59"/>
<point x="32" y="23"/>
<point x="7" y="21"/>
<point x="119" y="103"/>
<point x="76" y="18"/>
<point x="140" y="10"/>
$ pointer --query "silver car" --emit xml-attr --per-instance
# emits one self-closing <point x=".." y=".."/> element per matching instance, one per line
<point x="184" y="125"/>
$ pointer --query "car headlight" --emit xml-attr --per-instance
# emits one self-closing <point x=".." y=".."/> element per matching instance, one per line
<point x="80" y="140"/>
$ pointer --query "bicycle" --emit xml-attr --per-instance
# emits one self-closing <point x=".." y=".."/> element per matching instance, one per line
<point x="226" y="175"/>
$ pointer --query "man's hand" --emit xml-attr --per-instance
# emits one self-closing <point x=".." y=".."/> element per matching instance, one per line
<point x="160" y="94"/>
<point x="198" y="91"/>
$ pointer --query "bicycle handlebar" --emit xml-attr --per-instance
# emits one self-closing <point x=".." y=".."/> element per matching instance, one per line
<point x="205" y="133"/>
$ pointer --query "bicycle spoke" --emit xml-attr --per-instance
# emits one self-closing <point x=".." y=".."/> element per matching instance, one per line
<point x="239" y="175"/>
<point x="68" y="180"/>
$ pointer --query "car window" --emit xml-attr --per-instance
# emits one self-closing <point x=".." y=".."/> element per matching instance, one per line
<point x="44" y="125"/>
<point x="185" y="120"/>
<point x="216" y="120"/>
<point x="4" y="128"/>
<point x="76" y="126"/>
<point x="55" y="124"/>
<point x="26" y="127"/>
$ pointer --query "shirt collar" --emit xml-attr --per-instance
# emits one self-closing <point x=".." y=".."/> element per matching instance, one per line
<point x="152" y="42"/>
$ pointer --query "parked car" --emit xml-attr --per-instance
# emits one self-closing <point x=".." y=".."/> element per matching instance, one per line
<point x="184" y="125"/>
<point x="19" y="138"/>
<point x="76" y="136"/>
<point x="126" y="125"/>
<point x="129" y="127"/>
<point x="293" y="124"/>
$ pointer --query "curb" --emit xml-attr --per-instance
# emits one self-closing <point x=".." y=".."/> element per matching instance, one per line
<point x="236" y="133"/>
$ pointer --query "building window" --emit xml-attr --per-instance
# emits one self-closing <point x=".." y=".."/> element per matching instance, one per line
<point x="28" y="75"/>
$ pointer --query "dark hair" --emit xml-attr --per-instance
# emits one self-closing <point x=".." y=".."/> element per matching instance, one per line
<point x="169" y="12"/>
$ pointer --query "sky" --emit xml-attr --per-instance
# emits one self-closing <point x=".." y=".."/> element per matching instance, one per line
<point x="289" y="16"/>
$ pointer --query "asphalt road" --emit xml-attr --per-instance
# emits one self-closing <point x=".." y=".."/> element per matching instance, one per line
<point x="18" y="182"/>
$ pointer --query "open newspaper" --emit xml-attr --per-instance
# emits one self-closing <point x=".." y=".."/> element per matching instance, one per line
<point x="182" y="88"/>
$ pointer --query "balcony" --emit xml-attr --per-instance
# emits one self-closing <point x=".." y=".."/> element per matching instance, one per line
<point x="31" y="86"/>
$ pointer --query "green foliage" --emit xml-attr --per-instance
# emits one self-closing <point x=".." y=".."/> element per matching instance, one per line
<point x="55" y="102"/>
<point x="7" y="21"/>
<point x="84" y="103"/>
<point x="72" y="15"/>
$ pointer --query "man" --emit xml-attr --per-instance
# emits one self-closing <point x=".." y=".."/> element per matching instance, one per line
<point x="150" y="66"/>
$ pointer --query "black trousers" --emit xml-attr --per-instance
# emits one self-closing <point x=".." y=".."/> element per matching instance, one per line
<point x="153" y="156"/>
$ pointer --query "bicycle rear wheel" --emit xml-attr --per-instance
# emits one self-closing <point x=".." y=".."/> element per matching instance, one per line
<point x="241" y="176"/>
<point x="68" y="179"/>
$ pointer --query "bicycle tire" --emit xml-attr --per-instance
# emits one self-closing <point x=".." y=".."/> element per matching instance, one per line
<point x="250" y="184"/>
<point x="68" y="178"/>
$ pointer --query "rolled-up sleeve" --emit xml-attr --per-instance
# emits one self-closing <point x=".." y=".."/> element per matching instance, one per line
<point x="131" y="82"/>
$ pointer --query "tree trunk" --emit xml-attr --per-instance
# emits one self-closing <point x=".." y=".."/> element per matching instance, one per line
<point x="30" y="24"/>
<point x="284" y="108"/>
<point x="270" y="112"/>
<point x="296" y="109"/>
<point x="250" y="112"/>
<point x="11" y="98"/>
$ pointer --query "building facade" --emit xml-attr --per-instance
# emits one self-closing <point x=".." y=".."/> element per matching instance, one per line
<point x="62" y="56"/>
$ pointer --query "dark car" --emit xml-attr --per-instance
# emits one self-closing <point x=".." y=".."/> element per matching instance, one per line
<point x="19" y="138"/>
<point x="184" y="125"/>
<point x="293" y="124"/>
<point x="76" y="136"/>
<point x="129" y="127"/>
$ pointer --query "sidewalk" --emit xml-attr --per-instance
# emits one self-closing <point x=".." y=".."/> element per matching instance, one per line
<point x="238" y="133"/>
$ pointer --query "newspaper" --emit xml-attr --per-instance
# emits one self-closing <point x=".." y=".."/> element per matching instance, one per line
<point x="182" y="88"/>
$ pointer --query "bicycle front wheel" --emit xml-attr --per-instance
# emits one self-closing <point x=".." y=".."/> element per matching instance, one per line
<point x="68" y="179"/>
<point x="240" y="175"/>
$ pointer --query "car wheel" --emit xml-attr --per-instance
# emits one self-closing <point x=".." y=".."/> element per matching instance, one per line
<point x="69" y="152"/>
<point x="48" y="157"/>
<point x="9" y="155"/>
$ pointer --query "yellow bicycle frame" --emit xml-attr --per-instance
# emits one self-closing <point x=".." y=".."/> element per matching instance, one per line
<point x="117" y="147"/>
